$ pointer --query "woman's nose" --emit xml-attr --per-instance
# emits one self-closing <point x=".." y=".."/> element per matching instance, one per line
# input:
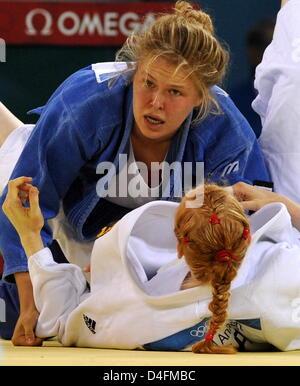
<point x="157" y="100"/>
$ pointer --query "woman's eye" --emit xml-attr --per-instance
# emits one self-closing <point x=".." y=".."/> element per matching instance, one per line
<point x="148" y="83"/>
<point x="175" y="92"/>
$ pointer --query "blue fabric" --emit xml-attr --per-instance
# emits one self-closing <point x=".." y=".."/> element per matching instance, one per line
<point x="9" y="293"/>
<point x="185" y="338"/>
<point x="253" y="323"/>
<point x="181" y="339"/>
<point x="85" y="123"/>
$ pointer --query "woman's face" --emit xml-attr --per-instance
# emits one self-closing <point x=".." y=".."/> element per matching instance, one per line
<point x="161" y="100"/>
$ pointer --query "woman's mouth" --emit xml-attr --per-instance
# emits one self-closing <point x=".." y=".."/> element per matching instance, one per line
<point x="153" y="120"/>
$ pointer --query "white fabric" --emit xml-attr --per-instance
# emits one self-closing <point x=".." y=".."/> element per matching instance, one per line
<point x="10" y="152"/>
<point x="136" y="184"/>
<point x="278" y="102"/>
<point x="131" y="306"/>
<point x="108" y="68"/>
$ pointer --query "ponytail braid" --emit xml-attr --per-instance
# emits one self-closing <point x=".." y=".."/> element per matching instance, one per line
<point x="213" y="237"/>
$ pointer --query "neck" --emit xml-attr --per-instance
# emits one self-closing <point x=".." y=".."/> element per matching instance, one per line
<point x="149" y="151"/>
<point x="189" y="282"/>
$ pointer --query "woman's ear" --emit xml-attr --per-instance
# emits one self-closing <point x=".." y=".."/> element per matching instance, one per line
<point x="179" y="251"/>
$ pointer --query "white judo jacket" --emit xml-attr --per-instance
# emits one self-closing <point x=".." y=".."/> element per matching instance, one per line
<point x="135" y="299"/>
<point x="278" y="102"/>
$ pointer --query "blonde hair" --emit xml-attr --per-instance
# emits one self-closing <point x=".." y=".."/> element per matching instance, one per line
<point x="218" y="226"/>
<point x="184" y="38"/>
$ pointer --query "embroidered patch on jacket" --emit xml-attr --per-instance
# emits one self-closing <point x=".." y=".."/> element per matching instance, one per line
<point x="91" y="324"/>
<point x="103" y="231"/>
<point x="230" y="168"/>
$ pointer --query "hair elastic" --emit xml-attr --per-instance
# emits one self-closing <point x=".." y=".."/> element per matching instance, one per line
<point x="211" y="333"/>
<point x="246" y="233"/>
<point x="225" y="256"/>
<point x="214" y="219"/>
<point x="185" y="240"/>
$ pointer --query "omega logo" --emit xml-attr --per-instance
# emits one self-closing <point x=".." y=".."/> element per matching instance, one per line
<point x="46" y="30"/>
<point x="70" y="23"/>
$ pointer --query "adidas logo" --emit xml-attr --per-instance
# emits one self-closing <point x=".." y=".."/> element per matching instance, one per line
<point x="91" y="324"/>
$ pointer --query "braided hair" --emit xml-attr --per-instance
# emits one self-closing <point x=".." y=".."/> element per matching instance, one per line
<point x="213" y="236"/>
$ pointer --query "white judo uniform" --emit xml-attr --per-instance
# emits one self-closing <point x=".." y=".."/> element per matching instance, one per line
<point x="278" y="102"/>
<point x="135" y="299"/>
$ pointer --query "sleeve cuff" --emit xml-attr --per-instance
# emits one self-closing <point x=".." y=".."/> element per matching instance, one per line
<point x="43" y="257"/>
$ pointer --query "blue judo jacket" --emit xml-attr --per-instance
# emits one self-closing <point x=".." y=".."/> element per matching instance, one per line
<point x="87" y="121"/>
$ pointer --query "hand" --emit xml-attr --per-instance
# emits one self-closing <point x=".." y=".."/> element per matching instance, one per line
<point x="253" y="198"/>
<point x="24" y="331"/>
<point x="26" y="220"/>
<point x="87" y="268"/>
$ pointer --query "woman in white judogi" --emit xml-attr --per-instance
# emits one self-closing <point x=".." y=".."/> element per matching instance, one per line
<point x="137" y="297"/>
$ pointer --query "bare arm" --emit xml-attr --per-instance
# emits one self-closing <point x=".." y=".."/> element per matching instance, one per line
<point x="24" y="331"/>
<point x="252" y="198"/>
<point x="28" y="222"/>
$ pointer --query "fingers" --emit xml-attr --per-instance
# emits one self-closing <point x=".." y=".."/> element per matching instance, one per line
<point x="17" y="192"/>
<point x="24" y="335"/>
<point x="248" y="195"/>
<point x="13" y="186"/>
<point x="24" y="192"/>
<point x="29" y="330"/>
<point x="13" y="200"/>
<point x="240" y="189"/>
<point x="87" y="268"/>
<point x="30" y="338"/>
<point x="34" y="200"/>
<point x="22" y="341"/>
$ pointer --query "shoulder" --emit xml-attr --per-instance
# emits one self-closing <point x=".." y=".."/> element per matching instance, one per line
<point x="226" y="125"/>
<point x="230" y="114"/>
<point x="98" y="90"/>
<point x="99" y="83"/>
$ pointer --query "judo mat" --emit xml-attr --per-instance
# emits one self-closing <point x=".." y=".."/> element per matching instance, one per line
<point x="53" y="354"/>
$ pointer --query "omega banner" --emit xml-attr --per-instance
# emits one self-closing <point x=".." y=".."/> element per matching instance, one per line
<point x="68" y="23"/>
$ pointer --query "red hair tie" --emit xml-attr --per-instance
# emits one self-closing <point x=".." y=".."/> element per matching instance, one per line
<point x="214" y="219"/>
<point x="246" y="233"/>
<point x="185" y="240"/>
<point x="211" y="333"/>
<point x="225" y="256"/>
